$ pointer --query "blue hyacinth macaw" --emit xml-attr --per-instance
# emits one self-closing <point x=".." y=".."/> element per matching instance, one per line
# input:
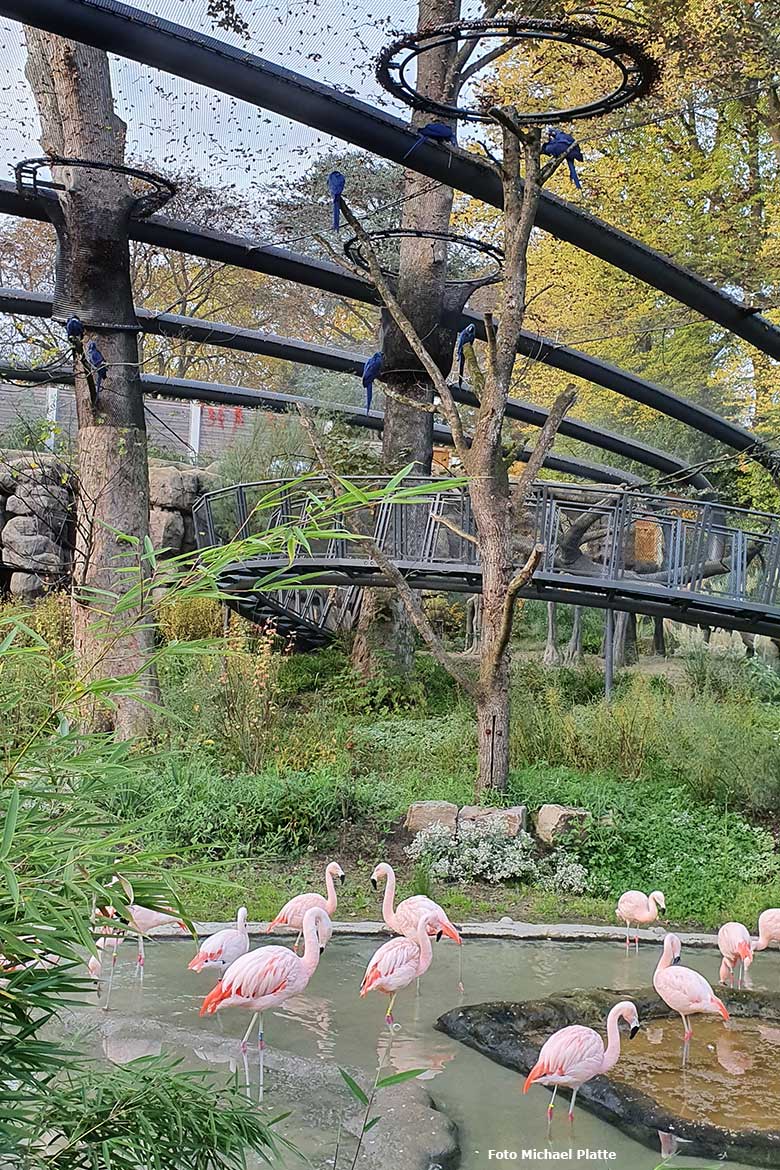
<point x="98" y="363"/>
<point x="465" y="337"/>
<point x="336" y="184"/>
<point x="74" y="329"/>
<point x="371" y="370"/>
<point x="432" y="132"/>
<point x="560" y="143"/>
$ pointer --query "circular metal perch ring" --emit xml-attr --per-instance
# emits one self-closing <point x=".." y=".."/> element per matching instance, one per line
<point x="354" y="251"/>
<point x="161" y="192"/>
<point x="637" y="70"/>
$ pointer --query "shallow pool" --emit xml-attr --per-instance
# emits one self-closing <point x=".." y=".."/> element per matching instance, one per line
<point x="331" y="1022"/>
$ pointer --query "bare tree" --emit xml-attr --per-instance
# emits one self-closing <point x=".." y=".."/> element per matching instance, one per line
<point x="507" y="558"/>
<point x="72" y="88"/>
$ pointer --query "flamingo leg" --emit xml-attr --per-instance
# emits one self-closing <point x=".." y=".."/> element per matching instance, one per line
<point x="244" y="1045"/>
<point x="110" y="981"/>
<point x="628" y="939"/>
<point x="417" y="986"/>
<point x="461" y="988"/>
<point x="140" y="959"/>
<point x="571" y="1104"/>
<point x="260" y="1060"/>
<point x="636" y="941"/>
<point x="389" y="1015"/>
<point x="550" y="1108"/>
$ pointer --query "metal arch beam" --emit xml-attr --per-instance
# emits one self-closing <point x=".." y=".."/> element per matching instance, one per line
<point x="242" y="253"/>
<point x="193" y="391"/>
<point x="349" y="362"/>
<point x="130" y="32"/>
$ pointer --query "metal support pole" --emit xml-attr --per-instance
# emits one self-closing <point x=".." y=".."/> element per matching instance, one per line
<point x="609" y="653"/>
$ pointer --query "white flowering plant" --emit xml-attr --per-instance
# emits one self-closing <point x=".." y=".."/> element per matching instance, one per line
<point x="478" y="851"/>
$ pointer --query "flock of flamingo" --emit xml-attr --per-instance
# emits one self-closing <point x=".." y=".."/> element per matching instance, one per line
<point x="264" y="978"/>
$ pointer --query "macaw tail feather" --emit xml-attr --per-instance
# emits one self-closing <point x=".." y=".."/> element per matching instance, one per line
<point x="575" y="178"/>
<point x="336" y="213"/>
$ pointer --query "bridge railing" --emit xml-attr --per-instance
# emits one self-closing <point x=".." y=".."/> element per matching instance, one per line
<point x="616" y="537"/>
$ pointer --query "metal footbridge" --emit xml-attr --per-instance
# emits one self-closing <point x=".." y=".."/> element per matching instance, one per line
<point x="704" y="564"/>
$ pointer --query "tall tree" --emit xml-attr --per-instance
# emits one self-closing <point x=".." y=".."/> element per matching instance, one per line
<point x="72" y="87"/>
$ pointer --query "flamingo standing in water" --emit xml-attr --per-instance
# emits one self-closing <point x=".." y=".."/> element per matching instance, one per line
<point x="265" y="978"/>
<point x="224" y="947"/>
<point x="737" y="950"/>
<point x="685" y="991"/>
<point x="576" y="1054"/>
<point x="768" y="929"/>
<point x="292" y="913"/>
<point x="642" y="909"/>
<point x="400" y="961"/>
<point x="406" y="916"/>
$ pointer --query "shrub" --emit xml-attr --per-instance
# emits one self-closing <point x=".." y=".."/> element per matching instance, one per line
<point x="189" y="805"/>
<point x="191" y="619"/>
<point x="560" y="873"/>
<point x="476" y="852"/>
<point x="429" y="688"/>
<point x="651" y="835"/>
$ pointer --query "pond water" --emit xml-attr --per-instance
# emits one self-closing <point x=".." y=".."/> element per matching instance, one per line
<point x="485" y="1101"/>
<point x="731" y="1075"/>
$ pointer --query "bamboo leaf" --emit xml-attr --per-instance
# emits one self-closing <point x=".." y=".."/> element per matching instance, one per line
<point x="354" y="1088"/>
<point x="9" y="828"/>
<point x="399" y="1078"/>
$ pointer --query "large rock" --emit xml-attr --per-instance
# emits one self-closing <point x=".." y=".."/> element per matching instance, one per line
<point x="431" y="812"/>
<point x="514" y="820"/>
<point x="166" y="529"/>
<point x="27" y="545"/>
<point x="27" y="586"/>
<point x="18" y="470"/>
<point x="174" y="487"/>
<point x="49" y="502"/>
<point x="555" y="822"/>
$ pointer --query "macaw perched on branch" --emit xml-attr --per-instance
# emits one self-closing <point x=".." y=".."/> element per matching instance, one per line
<point x="466" y="337"/>
<point x="371" y="370"/>
<point x="74" y="330"/>
<point x="432" y="132"/>
<point x="98" y="363"/>
<point x="560" y="143"/>
<point x="336" y="185"/>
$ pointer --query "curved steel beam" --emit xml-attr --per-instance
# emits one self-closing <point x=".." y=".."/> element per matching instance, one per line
<point x="194" y="391"/>
<point x="349" y="362"/>
<point x="242" y="253"/>
<point x="129" y="32"/>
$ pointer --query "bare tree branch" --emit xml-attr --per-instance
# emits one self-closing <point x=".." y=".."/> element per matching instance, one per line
<point x="560" y="408"/>
<point x="445" y="520"/>
<point x="518" y="582"/>
<point x="385" y="565"/>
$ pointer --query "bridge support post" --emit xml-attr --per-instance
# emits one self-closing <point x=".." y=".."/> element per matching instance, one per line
<point x="609" y="653"/>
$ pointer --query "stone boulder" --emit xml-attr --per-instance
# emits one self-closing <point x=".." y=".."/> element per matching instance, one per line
<point x="48" y="502"/>
<point x="514" y="820"/>
<point x="31" y="469"/>
<point x="174" y="487"/>
<point x="28" y="545"/>
<point x="431" y="812"/>
<point x="166" y="529"/>
<point x="27" y="586"/>
<point x="553" y="823"/>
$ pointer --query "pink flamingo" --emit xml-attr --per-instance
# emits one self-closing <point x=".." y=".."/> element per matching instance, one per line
<point x="735" y="946"/>
<point x="576" y="1054"/>
<point x="405" y="918"/>
<point x="291" y="914"/>
<point x="634" y="906"/>
<point x="265" y="978"/>
<point x="768" y="929"/>
<point x="224" y="947"/>
<point x="141" y="919"/>
<point x="685" y="991"/>
<point x="400" y="961"/>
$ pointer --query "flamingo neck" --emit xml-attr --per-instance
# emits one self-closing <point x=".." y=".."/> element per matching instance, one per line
<point x="388" y="912"/>
<point x="241" y="921"/>
<point x="424" y="943"/>
<point x="612" y="1051"/>
<point x="330" y="889"/>
<point x="311" y="947"/>
<point x="665" y="960"/>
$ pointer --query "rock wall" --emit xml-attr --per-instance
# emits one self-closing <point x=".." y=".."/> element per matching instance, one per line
<point x="37" y="528"/>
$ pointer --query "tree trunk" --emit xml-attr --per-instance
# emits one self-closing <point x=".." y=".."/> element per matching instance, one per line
<point x="572" y="655"/>
<point x="72" y="87"/>
<point x="551" y="656"/>
<point x="385" y="636"/>
<point x="625" y="640"/>
<point x="659" y="637"/>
